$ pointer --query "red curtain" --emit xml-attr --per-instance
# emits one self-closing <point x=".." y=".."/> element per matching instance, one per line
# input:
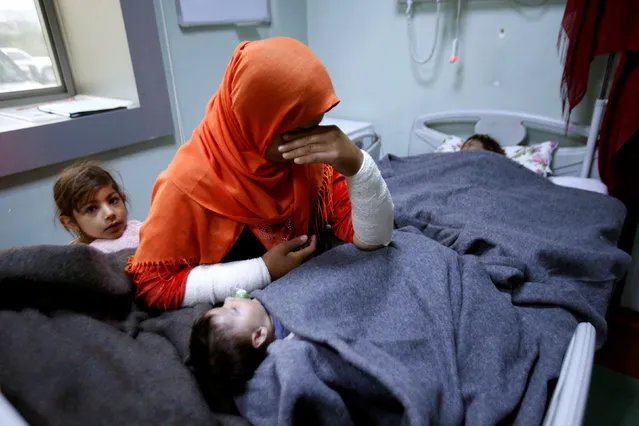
<point x="595" y="27"/>
<point x="591" y="28"/>
<point x="619" y="137"/>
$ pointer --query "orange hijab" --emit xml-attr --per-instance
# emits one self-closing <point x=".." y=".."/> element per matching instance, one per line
<point x="220" y="181"/>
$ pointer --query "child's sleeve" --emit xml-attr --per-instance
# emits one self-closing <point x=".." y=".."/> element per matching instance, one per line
<point x="130" y="239"/>
<point x="163" y="290"/>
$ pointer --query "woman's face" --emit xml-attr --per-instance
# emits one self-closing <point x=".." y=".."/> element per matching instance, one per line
<point x="274" y="155"/>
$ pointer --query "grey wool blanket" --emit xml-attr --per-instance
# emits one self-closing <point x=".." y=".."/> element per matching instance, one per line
<point x="463" y="319"/>
<point x="75" y="350"/>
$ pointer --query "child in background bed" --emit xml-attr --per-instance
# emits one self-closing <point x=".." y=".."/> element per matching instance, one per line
<point x="484" y="142"/>
<point x="91" y="205"/>
<point x="228" y="343"/>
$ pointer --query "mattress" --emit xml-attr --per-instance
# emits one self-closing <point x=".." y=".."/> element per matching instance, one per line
<point x="587" y="184"/>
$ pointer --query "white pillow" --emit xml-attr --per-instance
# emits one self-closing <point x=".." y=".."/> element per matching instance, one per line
<point x="450" y="144"/>
<point x="536" y="157"/>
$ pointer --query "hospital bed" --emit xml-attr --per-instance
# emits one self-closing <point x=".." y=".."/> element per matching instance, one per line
<point x="569" y="399"/>
<point x="512" y="128"/>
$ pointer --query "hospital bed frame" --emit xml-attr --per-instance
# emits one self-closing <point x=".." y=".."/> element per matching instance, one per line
<point x="508" y="128"/>
<point x="568" y="403"/>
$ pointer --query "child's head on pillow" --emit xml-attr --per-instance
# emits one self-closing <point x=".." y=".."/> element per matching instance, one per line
<point x="484" y="142"/>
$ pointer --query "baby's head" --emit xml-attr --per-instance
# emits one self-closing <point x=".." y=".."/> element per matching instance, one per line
<point x="228" y="343"/>
<point x="484" y="142"/>
<point x="89" y="203"/>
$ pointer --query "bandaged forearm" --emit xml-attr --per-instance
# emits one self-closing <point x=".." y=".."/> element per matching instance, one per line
<point x="214" y="283"/>
<point x="372" y="206"/>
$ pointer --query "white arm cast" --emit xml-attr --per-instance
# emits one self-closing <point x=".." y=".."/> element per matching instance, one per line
<point x="372" y="205"/>
<point x="214" y="283"/>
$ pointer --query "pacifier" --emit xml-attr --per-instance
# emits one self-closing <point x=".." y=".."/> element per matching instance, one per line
<point x="241" y="293"/>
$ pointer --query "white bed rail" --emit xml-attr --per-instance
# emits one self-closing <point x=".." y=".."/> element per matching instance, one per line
<point x="9" y="416"/>
<point x="568" y="403"/>
<point x="360" y="132"/>
<point x="508" y="128"/>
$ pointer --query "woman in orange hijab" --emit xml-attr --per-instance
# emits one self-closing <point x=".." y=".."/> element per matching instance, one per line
<point x="236" y="205"/>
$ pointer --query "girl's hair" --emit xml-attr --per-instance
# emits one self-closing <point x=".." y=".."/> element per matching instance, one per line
<point x="77" y="184"/>
<point x="488" y="143"/>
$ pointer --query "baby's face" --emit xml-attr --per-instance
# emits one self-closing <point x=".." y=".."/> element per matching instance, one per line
<point x="242" y="316"/>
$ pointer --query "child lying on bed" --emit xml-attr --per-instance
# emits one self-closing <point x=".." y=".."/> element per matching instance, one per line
<point x="228" y="343"/>
<point x="484" y="142"/>
<point x="91" y="205"/>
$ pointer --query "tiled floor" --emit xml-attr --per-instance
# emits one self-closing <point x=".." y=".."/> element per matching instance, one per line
<point x="613" y="399"/>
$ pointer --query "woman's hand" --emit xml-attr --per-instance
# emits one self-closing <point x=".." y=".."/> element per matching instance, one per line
<point x="323" y="144"/>
<point x="284" y="257"/>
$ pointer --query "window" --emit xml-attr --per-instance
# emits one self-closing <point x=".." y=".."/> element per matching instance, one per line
<point x="127" y="30"/>
<point x="32" y="57"/>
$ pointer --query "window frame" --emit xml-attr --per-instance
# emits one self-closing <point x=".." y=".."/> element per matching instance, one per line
<point x="46" y="144"/>
<point x="55" y="44"/>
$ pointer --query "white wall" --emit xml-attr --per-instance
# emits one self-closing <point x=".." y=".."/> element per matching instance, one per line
<point x="97" y="48"/>
<point x="199" y="59"/>
<point x="364" y="45"/>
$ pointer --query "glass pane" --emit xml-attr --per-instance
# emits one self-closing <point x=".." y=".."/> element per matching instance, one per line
<point x="26" y="58"/>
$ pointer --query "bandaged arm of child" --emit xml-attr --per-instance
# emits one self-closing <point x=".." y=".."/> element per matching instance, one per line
<point x="372" y="206"/>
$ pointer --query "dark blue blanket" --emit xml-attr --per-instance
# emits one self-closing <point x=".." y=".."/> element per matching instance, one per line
<point x="464" y="319"/>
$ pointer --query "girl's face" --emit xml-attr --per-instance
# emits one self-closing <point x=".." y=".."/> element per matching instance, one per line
<point x="274" y="155"/>
<point x="104" y="216"/>
<point x="472" y="144"/>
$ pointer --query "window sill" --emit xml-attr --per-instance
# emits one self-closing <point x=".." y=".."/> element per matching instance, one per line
<point x="8" y="124"/>
<point x="28" y="145"/>
<point x="27" y="116"/>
